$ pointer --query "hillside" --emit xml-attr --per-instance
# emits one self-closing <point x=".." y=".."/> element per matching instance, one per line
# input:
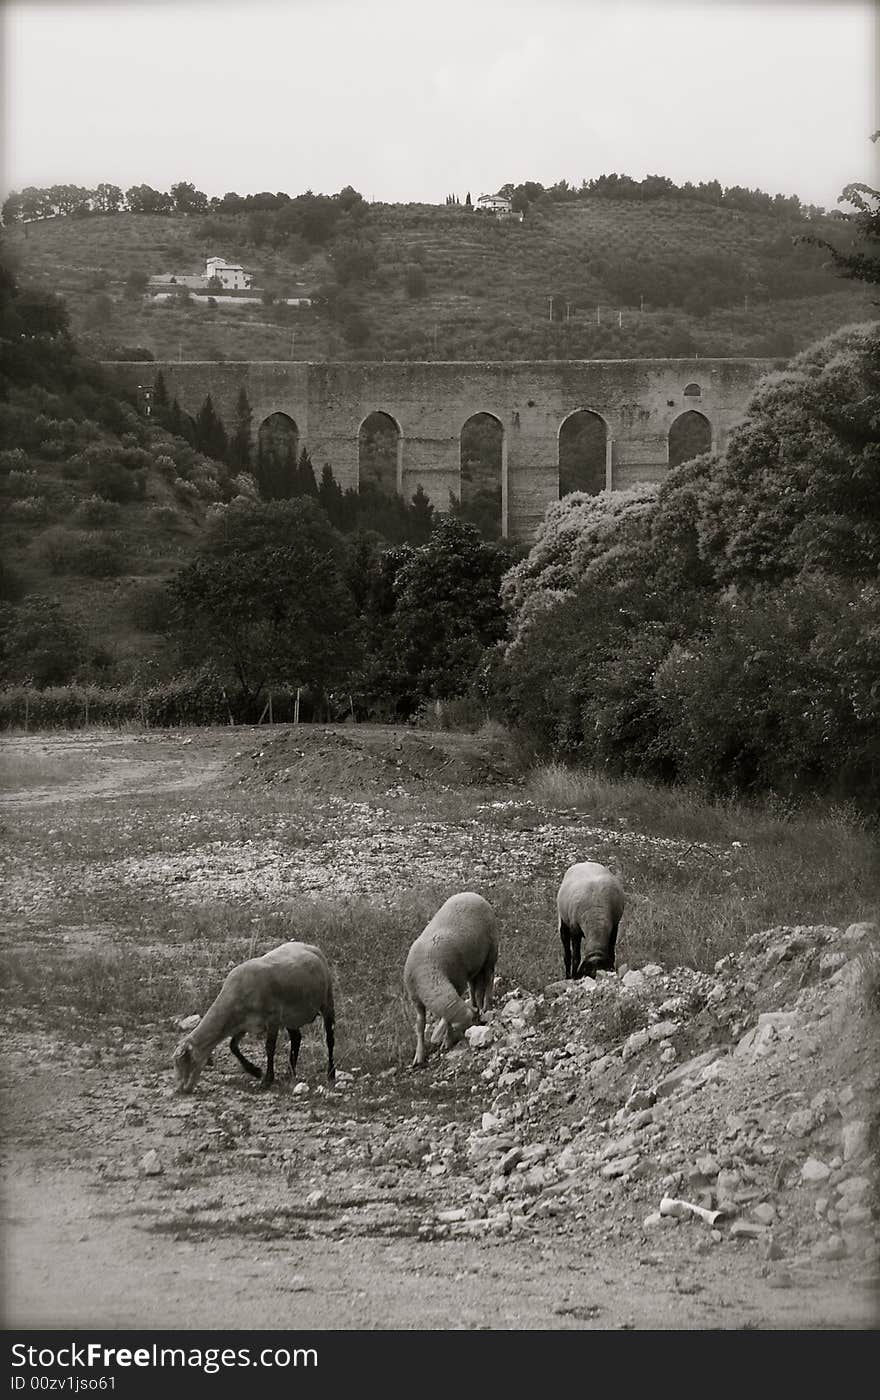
<point x="668" y="277"/>
<point x="97" y="507"/>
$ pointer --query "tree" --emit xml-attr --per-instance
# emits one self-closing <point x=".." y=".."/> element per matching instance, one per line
<point x="304" y="483"/>
<point x="136" y="282"/>
<point x="240" y="444"/>
<point x="143" y="199"/>
<point x="108" y="198"/>
<point x="446" y="613"/>
<point x="39" y="643"/>
<point x="862" y="264"/>
<point x="161" y="404"/>
<point x="330" y="497"/>
<point x="798" y="487"/>
<point x="266" y="601"/>
<point x="187" y="199"/>
<point x="210" y="433"/>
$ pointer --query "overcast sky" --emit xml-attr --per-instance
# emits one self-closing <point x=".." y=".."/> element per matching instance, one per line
<point x="413" y="99"/>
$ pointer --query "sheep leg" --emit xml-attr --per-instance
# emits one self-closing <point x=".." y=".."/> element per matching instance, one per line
<point x="612" y="944"/>
<point x="572" y="940"/>
<point x="247" y="1064"/>
<point x="477" y="997"/>
<point x="331" y="1041"/>
<point x="421" y="1055"/>
<point x="271" y="1042"/>
<point x="295" y="1043"/>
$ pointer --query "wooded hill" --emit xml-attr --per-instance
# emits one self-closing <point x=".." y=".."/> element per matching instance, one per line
<point x="594" y="277"/>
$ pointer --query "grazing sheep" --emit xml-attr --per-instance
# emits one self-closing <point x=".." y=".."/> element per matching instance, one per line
<point x="590" y="904"/>
<point x="287" y="987"/>
<point x="457" y="949"/>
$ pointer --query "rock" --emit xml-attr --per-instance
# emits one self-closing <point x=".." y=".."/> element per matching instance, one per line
<point x="652" y="970"/>
<point x="489" y="1122"/>
<point x="691" y="1069"/>
<point x="150" y="1165"/>
<point x="639" y="1099"/>
<point x="708" y="1165"/>
<point x="663" y="1030"/>
<point x="854" y="1217"/>
<point x="801" y="1123"/>
<point x="188" y="1023"/>
<point x="815" y="1170"/>
<point x="855" y="1139"/>
<point x="636" y="1042"/>
<point x="857" y="932"/>
<point x="479" y="1037"/>
<point x="633" y="980"/>
<point x="315" y="1198"/>
<point x="300" y="1090"/>
<point x="509" y="1160"/>
<point x="854" y="1188"/>
<point x="830" y="963"/>
<point x="831" y="1248"/>
<point x="748" y="1230"/>
<point x="619" y="1166"/>
<point x="727" y="1184"/>
<point x="651" y="1221"/>
<point x="764" y="1213"/>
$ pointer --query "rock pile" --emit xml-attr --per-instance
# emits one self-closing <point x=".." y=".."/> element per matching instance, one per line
<point x="743" y="1102"/>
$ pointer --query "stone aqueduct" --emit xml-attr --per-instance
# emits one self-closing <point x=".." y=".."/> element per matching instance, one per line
<point x="638" y="401"/>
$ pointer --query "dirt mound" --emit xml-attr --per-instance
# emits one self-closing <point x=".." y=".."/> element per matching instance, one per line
<point x="364" y="760"/>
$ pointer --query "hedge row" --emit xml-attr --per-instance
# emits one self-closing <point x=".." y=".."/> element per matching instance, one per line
<point x="187" y="700"/>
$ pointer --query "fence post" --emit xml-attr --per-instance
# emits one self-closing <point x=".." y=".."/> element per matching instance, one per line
<point x="27" y="710"/>
<point x="296" y="706"/>
<point x="270" y="707"/>
<point x="86" y="720"/>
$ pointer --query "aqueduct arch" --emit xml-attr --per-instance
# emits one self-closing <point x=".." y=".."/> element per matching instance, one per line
<point x="690" y="435"/>
<point x="483" y="471"/>
<point x="276" y="455"/>
<point x="380" y="453"/>
<point x="582" y="452"/>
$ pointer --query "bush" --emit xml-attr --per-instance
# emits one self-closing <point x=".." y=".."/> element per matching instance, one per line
<point x="95" y="510"/>
<point x="39" y="643"/>
<point x="89" y="553"/>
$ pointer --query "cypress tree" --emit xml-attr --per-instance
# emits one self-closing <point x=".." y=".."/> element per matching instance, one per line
<point x="210" y="432"/>
<point x="330" y="497"/>
<point x="240" y="446"/>
<point x="305" y="484"/>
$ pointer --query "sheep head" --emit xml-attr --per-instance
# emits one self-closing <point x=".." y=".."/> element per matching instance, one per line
<point x="188" y="1065"/>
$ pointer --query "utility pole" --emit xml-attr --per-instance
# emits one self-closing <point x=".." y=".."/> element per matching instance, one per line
<point x="179" y="350"/>
<point x="551" y="308"/>
<point x="435" y="342"/>
<point x="568" y="311"/>
<point x="292" y="344"/>
<point x="598" y="315"/>
<point x="620" y="319"/>
<point x="642" y="302"/>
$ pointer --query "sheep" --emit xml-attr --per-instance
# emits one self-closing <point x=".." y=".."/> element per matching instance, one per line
<point x="590" y="905"/>
<point x="458" y="948"/>
<point x="287" y="987"/>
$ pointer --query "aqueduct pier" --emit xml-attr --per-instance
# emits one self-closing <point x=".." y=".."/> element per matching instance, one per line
<point x="641" y="404"/>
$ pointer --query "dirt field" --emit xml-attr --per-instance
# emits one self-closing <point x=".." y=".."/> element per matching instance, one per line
<point x="393" y="1201"/>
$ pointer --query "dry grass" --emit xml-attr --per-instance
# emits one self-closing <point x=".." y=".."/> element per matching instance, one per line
<point x="155" y="959"/>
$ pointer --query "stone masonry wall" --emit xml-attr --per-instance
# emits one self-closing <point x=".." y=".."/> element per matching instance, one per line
<point x="430" y="402"/>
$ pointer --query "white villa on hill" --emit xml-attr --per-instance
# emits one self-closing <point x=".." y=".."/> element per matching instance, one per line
<point x="499" y="205"/>
<point x="231" y="276"/>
